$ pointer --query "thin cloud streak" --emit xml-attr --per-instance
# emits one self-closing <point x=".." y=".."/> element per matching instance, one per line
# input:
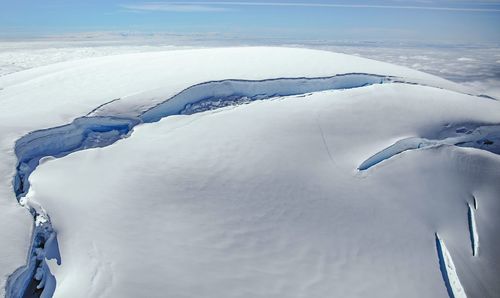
<point x="216" y="6"/>
<point x="174" y="7"/>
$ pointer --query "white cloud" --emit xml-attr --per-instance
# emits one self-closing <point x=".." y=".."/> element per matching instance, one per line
<point x="224" y="6"/>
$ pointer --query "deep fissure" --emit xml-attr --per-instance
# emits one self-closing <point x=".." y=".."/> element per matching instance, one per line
<point x="484" y="137"/>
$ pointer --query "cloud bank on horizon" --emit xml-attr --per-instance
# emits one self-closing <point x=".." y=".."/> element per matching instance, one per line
<point x="418" y="20"/>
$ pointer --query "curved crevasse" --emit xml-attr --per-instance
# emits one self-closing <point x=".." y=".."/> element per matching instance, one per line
<point x="81" y="134"/>
<point x="215" y="93"/>
<point x="485" y="137"/>
<point x="34" y="279"/>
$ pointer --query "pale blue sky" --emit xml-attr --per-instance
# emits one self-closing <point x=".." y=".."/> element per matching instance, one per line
<point x="419" y="20"/>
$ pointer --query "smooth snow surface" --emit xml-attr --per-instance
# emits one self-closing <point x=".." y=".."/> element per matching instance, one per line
<point x="256" y="200"/>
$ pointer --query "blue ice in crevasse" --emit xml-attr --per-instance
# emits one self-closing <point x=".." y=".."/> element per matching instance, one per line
<point x="34" y="279"/>
<point x="485" y="137"/>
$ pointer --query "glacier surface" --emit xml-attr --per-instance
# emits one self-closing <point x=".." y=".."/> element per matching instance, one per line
<point x="255" y="200"/>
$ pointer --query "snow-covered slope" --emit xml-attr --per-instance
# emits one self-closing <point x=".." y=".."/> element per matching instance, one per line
<point x="260" y="200"/>
<point x="73" y="88"/>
